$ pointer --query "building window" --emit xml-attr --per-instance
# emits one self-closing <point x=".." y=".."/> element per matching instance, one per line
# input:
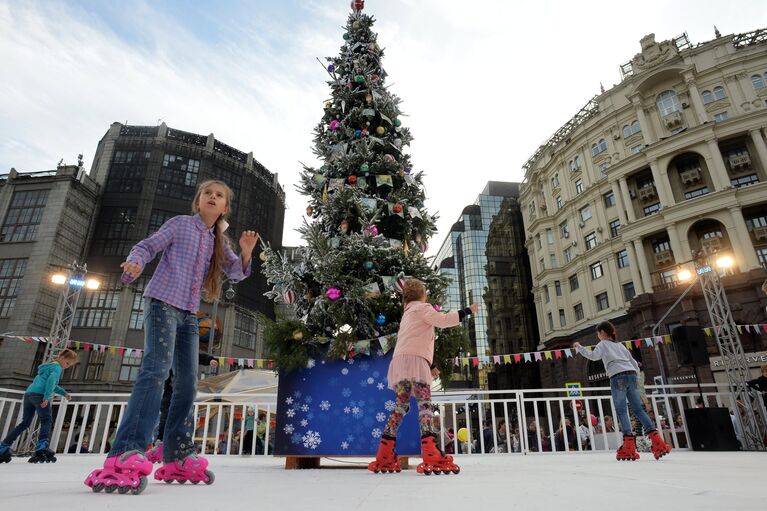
<point x="744" y="180"/>
<point x="564" y="230"/>
<point x="573" y="279"/>
<point x="550" y="320"/>
<point x="555" y="181"/>
<point x="596" y="270"/>
<point x="721" y="116"/>
<point x="590" y="240"/>
<point x="245" y="329"/>
<point x="707" y="97"/>
<point x="615" y="227"/>
<point x="546" y="294"/>
<point x="661" y="246"/>
<point x="651" y="209"/>
<point x="757" y="221"/>
<point x="599" y="147"/>
<point x="696" y="193"/>
<point x="114" y="231"/>
<point x="602" y="301"/>
<point x="578" y="311"/>
<point x="158" y="218"/>
<point x="128" y="171"/>
<point x="130" y="366"/>
<point x="178" y="177"/>
<point x="719" y="93"/>
<point x="622" y="258"/>
<point x="761" y="253"/>
<point x="24" y="215"/>
<point x="609" y="199"/>
<point x="559" y="202"/>
<point x="531" y="209"/>
<point x="757" y="81"/>
<point x="98" y="307"/>
<point x="578" y="186"/>
<point x="538" y="241"/>
<point x="549" y="236"/>
<point x="568" y="254"/>
<point x="631" y="129"/>
<point x="11" y="275"/>
<point x="575" y="164"/>
<point x="553" y="260"/>
<point x="628" y="291"/>
<point x="137" y="309"/>
<point x="543" y="264"/>
<point x="668" y="103"/>
<point x="602" y="169"/>
<point x="557" y="288"/>
<point x="585" y="212"/>
<point x="95" y="365"/>
<point x="669" y="278"/>
<point x="562" y="318"/>
<point x="636" y="149"/>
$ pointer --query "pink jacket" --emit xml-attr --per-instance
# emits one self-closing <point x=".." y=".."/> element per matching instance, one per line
<point x="416" y="330"/>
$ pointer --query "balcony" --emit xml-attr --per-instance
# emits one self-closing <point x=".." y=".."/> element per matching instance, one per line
<point x="690" y="177"/>
<point x="673" y="120"/>
<point x="647" y="193"/>
<point x="663" y="258"/>
<point x="740" y="162"/>
<point x="760" y="233"/>
<point x="711" y="245"/>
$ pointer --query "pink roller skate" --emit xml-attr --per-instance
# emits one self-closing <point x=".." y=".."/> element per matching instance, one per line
<point x="155" y="453"/>
<point x="192" y="468"/>
<point x="125" y="473"/>
<point x="434" y="460"/>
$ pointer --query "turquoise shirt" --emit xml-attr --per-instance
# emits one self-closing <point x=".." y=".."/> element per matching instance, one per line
<point x="46" y="381"/>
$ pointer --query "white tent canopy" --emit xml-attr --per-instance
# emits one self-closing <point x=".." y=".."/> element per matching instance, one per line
<point x="243" y="381"/>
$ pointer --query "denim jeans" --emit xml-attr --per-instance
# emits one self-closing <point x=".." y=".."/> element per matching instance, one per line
<point x="30" y="405"/>
<point x="171" y="341"/>
<point x="624" y="387"/>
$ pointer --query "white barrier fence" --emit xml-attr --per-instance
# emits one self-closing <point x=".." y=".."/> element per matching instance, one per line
<point x="520" y="421"/>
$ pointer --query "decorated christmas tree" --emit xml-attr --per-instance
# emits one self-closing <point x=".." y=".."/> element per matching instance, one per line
<point x="366" y="227"/>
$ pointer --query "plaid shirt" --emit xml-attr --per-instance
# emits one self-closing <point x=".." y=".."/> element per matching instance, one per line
<point x="187" y="246"/>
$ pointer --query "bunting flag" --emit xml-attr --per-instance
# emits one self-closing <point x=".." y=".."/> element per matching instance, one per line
<point x="547" y="355"/>
<point x="557" y="354"/>
<point x="517" y="358"/>
<point x="527" y="357"/>
<point x="497" y="359"/>
<point x="507" y="359"/>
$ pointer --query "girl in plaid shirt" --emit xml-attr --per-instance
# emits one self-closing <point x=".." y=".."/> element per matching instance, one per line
<point x="195" y="252"/>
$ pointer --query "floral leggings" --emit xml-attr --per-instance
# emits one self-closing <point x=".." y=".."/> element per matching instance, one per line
<point x="422" y="392"/>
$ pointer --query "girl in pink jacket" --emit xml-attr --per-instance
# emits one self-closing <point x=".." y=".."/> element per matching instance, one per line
<point x="410" y="374"/>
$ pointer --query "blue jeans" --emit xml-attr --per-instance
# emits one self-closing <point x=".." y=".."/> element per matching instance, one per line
<point x="623" y="387"/>
<point x="31" y="404"/>
<point x="171" y="340"/>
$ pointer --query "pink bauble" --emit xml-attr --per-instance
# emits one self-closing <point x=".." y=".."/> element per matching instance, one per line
<point x="371" y="230"/>
<point x="334" y="124"/>
<point x="437" y="307"/>
<point x="289" y="296"/>
<point x="399" y="285"/>
<point x="333" y="294"/>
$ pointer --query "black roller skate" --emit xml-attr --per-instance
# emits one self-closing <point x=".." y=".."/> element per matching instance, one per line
<point x="5" y="453"/>
<point x="42" y="453"/>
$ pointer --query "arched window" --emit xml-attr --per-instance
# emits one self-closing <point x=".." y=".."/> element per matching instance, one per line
<point x="635" y="127"/>
<point x="631" y="129"/>
<point x="668" y="103"/>
<point x="577" y="162"/>
<point x="626" y="131"/>
<point x="707" y="97"/>
<point x="719" y="93"/>
<point x="602" y="146"/>
<point x="757" y="81"/>
<point x="594" y="150"/>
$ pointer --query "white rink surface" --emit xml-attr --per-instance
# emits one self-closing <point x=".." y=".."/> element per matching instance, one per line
<point x="590" y="482"/>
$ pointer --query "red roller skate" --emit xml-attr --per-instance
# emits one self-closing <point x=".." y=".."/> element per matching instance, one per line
<point x="192" y="469"/>
<point x="386" y="460"/>
<point x="125" y="473"/>
<point x="155" y="453"/>
<point x="434" y="460"/>
<point x="659" y="447"/>
<point x="627" y="451"/>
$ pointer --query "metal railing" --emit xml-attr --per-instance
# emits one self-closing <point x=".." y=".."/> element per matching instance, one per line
<point x="521" y="421"/>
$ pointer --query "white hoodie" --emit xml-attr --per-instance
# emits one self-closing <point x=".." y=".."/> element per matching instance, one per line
<point x="614" y="356"/>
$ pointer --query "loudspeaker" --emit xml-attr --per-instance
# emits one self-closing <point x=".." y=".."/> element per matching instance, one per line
<point x="710" y="429"/>
<point x="690" y="345"/>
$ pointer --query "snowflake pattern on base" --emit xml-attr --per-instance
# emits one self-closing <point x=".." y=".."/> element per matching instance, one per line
<point x="311" y="439"/>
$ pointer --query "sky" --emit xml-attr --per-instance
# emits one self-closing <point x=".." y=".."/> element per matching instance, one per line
<point x="483" y="84"/>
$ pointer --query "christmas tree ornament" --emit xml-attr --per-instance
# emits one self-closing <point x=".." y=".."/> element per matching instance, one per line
<point x="352" y="179"/>
<point x="356" y="25"/>
<point x="408" y="170"/>
<point x="380" y="131"/>
<point x="375" y="78"/>
<point x="289" y="296"/>
<point x="298" y="335"/>
<point x="309" y="211"/>
<point x="381" y="319"/>
<point x="349" y="85"/>
<point x="437" y="307"/>
<point x="359" y="78"/>
<point x="424" y="246"/>
<point x="405" y="248"/>
<point x="399" y="283"/>
<point x="333" y="294"/>
<point x="344" y="226"/>
<point x="368" y="265"/>
<point x="368" y="98"/>
<point x="364" y="132"/>
<point x="262" y="256"/>
<point x="397" y="123"/>
<point x="401" y="172"/>
<point x="334" y="124"/>
<point x="328" y="105"/>
<point x="371" y="230"/>
<point x="397" y="143"/>
<point x="347" y="36"/>
<point x="331" y="68"/>
<point x="364" y="167"/>
<point x="357" y="133"/>
<point x="358" y="5"/>
<point x="325" y="193"/>
<point x="388" y="158"/>
<point x="397" y="208"/>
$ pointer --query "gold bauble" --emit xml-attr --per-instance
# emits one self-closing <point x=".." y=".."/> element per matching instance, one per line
<point x="298" y="335"/>
<point x="262" y="256"/>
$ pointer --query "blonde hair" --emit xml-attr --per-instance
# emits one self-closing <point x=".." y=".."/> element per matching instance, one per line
<point x="413" y="290"/>
<point x="67" y="354"/>
<point x="212" y="284"/>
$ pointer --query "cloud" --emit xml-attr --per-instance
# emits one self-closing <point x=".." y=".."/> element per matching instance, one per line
<point x="483" y="84"/>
